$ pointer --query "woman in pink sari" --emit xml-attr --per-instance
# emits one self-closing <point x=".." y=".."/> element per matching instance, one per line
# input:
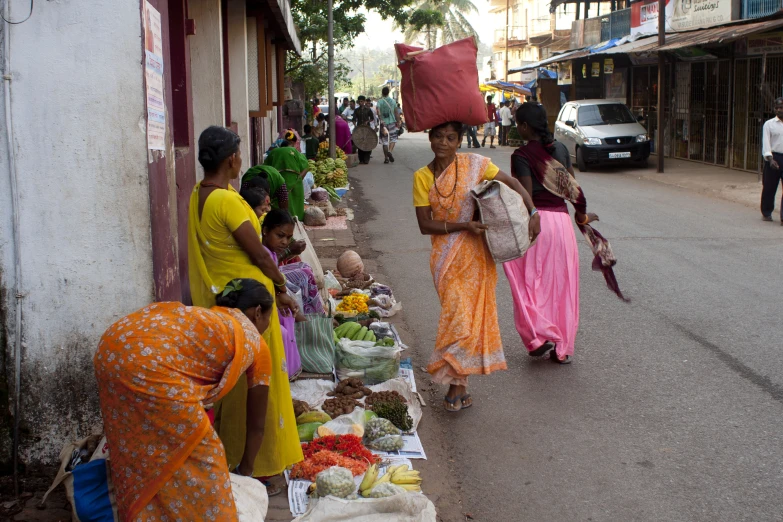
<point x="545" y="281"/>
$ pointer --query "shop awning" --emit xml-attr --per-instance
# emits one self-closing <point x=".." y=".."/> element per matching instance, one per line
<point x="281" y="11"/>
<point x="570" y="55"/>
<point x="697" y="38"/>
<point x="511" y="87"/>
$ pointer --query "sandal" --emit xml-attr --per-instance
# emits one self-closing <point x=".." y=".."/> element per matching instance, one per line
<point x="555" y="359"/>
<point x="464" y="398"/>
<point x="451" y="404"/>
<point x="271" y="489"/>
<point x="542" y="350"/>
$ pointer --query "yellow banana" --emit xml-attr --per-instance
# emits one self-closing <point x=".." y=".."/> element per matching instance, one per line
<point x="411" y="487"/>
<point x="385" y="478"/>
<point x="391" y="470"/>
<point x="369" y="477"/>
<point x="398" y="470"/>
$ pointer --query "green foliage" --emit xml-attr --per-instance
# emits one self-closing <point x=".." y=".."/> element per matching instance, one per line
<point x="422" y="18"/>
<point x="455" y="24"/>
<point x="311" y="17"/>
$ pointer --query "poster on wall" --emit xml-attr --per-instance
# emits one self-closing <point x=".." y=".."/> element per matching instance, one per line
<point x="153" y="72"/>
<point x="595" y="68"/>
<point x="615" y="84"/>
<point x="681" y="15"/>
<point x="608" y="66"/>
<point x="564" y="73"/>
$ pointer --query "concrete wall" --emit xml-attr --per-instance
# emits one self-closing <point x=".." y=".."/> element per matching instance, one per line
<point x="237" y="61"/>
<point x="206" y="61"/>
<point x="78" y="109"/>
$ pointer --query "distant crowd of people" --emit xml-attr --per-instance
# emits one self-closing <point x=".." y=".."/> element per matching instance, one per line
<point x="383" y="116"/>
<point x="500" y="119"/>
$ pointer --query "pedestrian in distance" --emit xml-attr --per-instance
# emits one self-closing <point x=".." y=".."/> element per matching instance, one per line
<point x="506" y="121"/>
<point x="468" y="340"/>
<point x="224" y="243"/>
<point x="545" y="281"/>
<point x="345" y="105"/>
<point x="772" y="150"/>
<point x="363" y="115"/>
<point x="470" y="133"/>
<point x="311" y="143"/>
<point x="389" y="114"/>
<point x="163" y="448"/>
<point x="490" y="128"/>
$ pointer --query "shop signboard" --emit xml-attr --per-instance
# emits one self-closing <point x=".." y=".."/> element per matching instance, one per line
<point x="595" y="69"/>
<point x="682" y="15"/>
<point x="765" y="43"/>
<point x="608" y="66"/>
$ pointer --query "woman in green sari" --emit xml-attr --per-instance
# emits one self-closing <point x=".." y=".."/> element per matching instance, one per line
<point x="293" y="166"/>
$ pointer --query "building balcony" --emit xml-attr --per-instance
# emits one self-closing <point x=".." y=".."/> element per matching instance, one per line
<point x="599" y="29"/>
<point x="516" y="38"/>
<point x="760" y="8"/>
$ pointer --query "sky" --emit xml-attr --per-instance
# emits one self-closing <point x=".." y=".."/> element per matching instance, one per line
<point x="377" y="26"/>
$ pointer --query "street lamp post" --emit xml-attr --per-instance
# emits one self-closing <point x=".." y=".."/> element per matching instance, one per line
<point x="661" y="77"/>
<point x="332" y="105"/>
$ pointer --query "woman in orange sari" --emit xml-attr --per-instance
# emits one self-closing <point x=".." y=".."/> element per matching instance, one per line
<point x="156" y="369"/>
<point x="468" y="341"/>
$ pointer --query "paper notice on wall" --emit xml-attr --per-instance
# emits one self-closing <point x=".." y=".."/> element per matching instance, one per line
<point x="153" y="72"/>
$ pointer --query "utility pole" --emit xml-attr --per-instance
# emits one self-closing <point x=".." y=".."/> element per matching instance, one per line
<point x="332" y="105"/>
<point x="659" y="146"/>
<point x="364" y="79"/>
<point x="508" y="8"/>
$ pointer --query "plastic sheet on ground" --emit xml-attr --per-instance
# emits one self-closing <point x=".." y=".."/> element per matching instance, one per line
<point x="314" y="393"/>
<point x="408" y="507"/>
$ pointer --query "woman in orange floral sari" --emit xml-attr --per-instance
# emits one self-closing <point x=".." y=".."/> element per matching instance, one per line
<point x="468" y="341"/>
<point x="156" y="369"/>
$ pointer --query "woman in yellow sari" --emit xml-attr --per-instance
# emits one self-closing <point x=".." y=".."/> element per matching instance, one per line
<point x="156" y="370"/>
<point x="224" y="243"/>
<point x="468" y="341"/>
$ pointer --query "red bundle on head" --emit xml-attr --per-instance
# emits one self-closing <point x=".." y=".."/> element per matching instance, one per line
<point x="441" y="85"/>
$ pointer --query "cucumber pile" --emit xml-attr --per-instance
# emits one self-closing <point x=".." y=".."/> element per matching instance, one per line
<point x="354" y="332"/>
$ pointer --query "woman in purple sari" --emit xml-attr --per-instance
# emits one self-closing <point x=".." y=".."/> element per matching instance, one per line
<point x="342" y="134"/>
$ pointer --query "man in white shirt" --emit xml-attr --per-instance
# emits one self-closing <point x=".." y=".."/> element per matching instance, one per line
<point x="772" y="150"/>
<point x="505" y="122"/>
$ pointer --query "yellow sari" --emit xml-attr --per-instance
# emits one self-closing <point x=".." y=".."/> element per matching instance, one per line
<point x="215" y="258"/>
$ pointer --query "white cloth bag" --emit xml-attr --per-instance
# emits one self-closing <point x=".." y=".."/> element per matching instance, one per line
<point x="504" y="212"/>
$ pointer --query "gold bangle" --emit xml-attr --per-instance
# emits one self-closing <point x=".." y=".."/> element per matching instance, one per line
<point x="446" y="226"/>
<point x="586" y="220"/>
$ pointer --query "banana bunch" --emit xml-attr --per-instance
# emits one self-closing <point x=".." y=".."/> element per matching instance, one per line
<point x="354" y="331"/>
<point x="402" y="476"/>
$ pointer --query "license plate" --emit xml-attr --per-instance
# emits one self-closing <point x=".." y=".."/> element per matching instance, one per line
<point x="616" y="155"/>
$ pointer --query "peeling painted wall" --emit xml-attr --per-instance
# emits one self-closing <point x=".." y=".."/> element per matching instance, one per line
<point x="78" y="109"/>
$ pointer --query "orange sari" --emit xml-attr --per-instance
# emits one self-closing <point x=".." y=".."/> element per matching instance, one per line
<point x="156" y="369"/>
<point x="468" y="341"/>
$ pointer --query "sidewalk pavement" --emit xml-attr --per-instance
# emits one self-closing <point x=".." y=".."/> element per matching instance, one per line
<point x="738" y="186"/>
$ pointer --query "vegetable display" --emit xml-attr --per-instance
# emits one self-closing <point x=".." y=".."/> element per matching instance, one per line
<point x="313" y="416"/>
<point x="336" y="481"/>
<point x="352" y="388"/>
<point x="396" y="411"/>
<point x="339" y="406"/>
<point x="329" y="173"/>
<point x="353" y="330"/>
<point x="347" y="445"/>
<point x="307" y="430"/>
<point x="354" y="303"/>
<point x="402" y="477"/>
<point x="300" y="407"/>
<point x="350" y="264"/>
<point x="309" y="468"/>
<point x="380" y="427"/>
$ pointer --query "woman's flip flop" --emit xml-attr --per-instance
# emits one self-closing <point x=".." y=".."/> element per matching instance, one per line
<point x="464" y="398"/>
<point x="542" y="350"/>
<point x="451" y="404"/>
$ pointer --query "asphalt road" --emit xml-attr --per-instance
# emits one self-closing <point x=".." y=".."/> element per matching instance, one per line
<point x="673" y="407"/>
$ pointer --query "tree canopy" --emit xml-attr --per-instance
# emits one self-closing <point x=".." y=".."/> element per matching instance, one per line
<point x="311" y="17"/>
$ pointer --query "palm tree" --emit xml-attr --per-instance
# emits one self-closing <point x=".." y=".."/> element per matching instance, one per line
<point x="455" y="22"/>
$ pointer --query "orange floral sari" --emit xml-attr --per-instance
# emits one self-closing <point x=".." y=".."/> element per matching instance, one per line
<point x="156" y="369"/>
<point x="468" y="341"/>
